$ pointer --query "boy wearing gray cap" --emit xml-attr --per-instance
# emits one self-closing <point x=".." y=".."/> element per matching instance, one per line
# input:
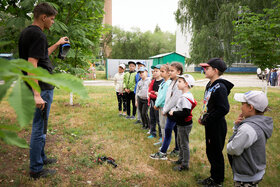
<point x="246" y="147"/>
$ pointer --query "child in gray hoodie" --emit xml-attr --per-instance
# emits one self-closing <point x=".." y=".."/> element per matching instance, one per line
<point x="246" y="147"/>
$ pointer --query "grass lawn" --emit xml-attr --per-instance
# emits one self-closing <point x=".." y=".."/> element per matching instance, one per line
<point x="78" y="134"/>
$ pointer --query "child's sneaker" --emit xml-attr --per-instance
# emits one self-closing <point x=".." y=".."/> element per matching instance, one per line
<point x="174" y="153"/>
<point x="159" y="156"/>
<point x="132" y="117"/>
<point x="127" y="117"/>
<point x="149" y="132"/>
<point x="151" y="136"/>
<point x="158" y="143"/>
<point x="209" y="182"/>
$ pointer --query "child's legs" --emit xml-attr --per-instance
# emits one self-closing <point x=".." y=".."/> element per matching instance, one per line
<point x="162" y="122"/>
<point x="119" y="97"/>
<point x="144" y="112"/>
<point x="140" y="106"/>
<point x="153" y="121"/>
<point x="168" y="134"/>
<point x="133" y="103"/>
<point x="123" y="103"/>
<point x="127" y="96"/>
<point x="158" y="123"/>
<point x="215" y="141"/>
<point x="183" y="141"/>
<point x="175" y="132"/>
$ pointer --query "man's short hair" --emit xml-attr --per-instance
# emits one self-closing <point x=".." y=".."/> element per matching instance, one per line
<point x="44" y="8"/>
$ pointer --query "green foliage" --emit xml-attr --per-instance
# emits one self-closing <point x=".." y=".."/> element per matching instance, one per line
<point x="137" y="45"/>
<point x="20" y="97"/>
<point x="258" y="36"/>
<point x="80" y="20"/>
<point x="212" y="28"/>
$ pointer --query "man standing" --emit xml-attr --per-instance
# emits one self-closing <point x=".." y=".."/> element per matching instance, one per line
<point x="33" y="47"/>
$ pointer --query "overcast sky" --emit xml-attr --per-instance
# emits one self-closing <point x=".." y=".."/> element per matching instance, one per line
<point x="145" y="14"/>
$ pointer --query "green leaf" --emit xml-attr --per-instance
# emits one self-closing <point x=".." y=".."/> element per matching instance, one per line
<point x="67" y="82"/>
<point x="21" y="99"/>
<point x="32" y="83"/>
<point x="11" y="138"/>
<point x="4" y="88"/>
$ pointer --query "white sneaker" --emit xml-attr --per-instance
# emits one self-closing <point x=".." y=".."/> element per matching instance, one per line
<point x="149" y="132"/>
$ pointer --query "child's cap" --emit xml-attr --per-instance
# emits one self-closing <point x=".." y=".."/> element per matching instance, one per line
<point x="156" y="66"/>
<point x="143" y="63"/>
<point x="256" y="98"/>
<point x="122" y="66"/>
<point x="143" y="69"/>
<point x="131" y="62"/>
<point x="215" y="63"/>
<point x="188" y="78"/>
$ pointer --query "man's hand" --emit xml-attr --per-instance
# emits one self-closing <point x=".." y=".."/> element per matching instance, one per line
<point x="136" y="104"/>
<point x="62" y="40"/>
<point x="171" y="113"/>
<point x="40" y="103"/>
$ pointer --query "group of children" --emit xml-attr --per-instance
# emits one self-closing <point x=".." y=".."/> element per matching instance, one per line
<point x="168" y="98"/>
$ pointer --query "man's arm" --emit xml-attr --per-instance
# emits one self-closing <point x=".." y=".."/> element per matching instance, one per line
<point x="40" y="103"/>
<point x="62" y="40"/>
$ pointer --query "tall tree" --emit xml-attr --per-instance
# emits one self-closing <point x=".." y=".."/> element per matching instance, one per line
<point x="257" y="35"/>
<point x="211" y="25"/>
<point x="137" y="45"/>
<point x="80" y="20"/>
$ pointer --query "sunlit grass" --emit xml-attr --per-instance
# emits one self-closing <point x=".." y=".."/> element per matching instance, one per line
<point x="79" y="134"/>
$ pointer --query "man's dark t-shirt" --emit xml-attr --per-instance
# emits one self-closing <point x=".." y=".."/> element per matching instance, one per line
<point x="33" y="43"/>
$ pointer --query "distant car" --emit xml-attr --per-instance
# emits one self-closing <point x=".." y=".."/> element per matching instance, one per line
<point x="8" y="56"/>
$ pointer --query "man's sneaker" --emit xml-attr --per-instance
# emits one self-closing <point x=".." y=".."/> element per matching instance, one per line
<point x="209" y="182"/>
<point x="158" y="143"/>
<point x="49" y="161"/>
<point x="178" y="162"/>
<point x="159" y="156"/>
<point x="174" y="153"/>
<point x="181" y="168"/>
<point x="151" y="136"/>
<point x="42" y="174"/>
<point x="137" y="122"/>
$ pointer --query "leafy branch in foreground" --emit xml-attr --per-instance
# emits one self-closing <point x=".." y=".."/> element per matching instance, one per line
<point x="21" y="98"/>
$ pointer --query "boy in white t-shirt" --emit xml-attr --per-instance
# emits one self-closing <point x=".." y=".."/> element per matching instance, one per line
<point x="118" y="81"/>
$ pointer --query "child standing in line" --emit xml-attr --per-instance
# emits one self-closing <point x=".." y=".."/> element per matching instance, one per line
<point x="137" y="79"/>
<point x="172" y="95"/>
<point x="129" y="84"/>
<point x="153" y="92"/>
<point x="182" y="114"/>
<point x="216" y="106"/>
<point x="118" y="81"/>
<point x="142" y="97"/>
<point x="164" y="73"/>
<point x="246" y="147"/>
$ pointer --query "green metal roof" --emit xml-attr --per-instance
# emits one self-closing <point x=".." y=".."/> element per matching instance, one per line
<point x="164" y="54"/>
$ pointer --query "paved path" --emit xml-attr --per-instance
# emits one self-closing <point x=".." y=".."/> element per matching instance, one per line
<point x="237" y="80"/>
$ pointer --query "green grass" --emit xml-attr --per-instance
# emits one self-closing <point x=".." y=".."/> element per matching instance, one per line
<point x="93" y="128"/>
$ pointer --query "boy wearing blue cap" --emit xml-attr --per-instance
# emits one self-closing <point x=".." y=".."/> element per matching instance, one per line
<point x="153" y="92"/>
<point x="137" y="79"/>
<point x="142" y="97"/>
